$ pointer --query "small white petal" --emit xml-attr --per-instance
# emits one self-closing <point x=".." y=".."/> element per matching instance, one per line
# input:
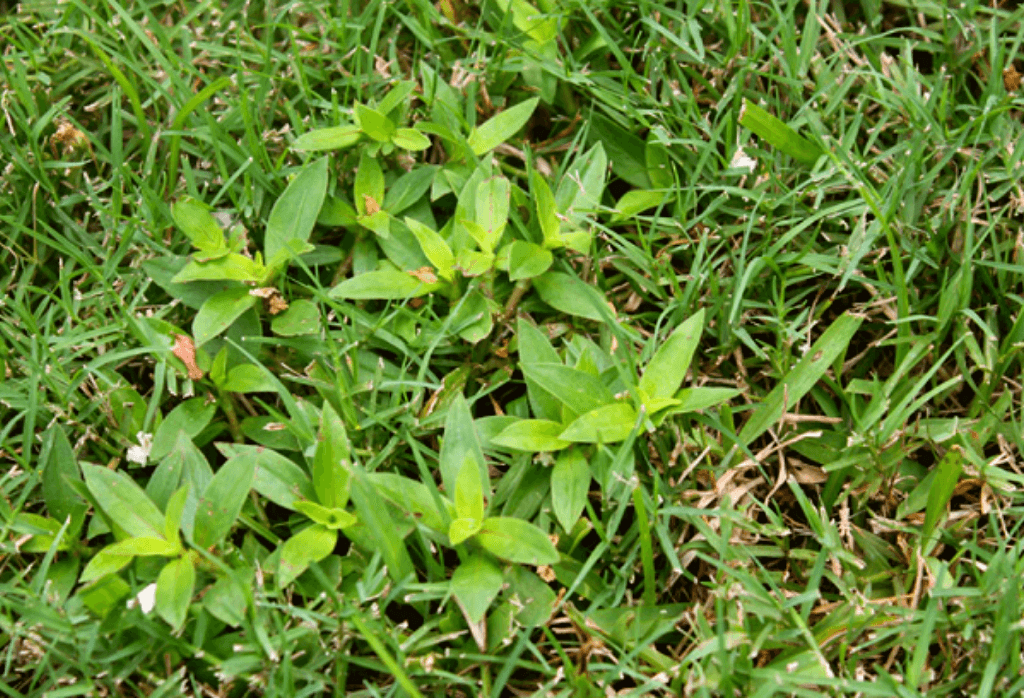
<point x="147" y="598"/>
<point x="742" y="161"/>
<point x="140" y="454"/>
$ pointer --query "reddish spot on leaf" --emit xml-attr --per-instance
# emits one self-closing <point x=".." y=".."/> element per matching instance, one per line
<point x="185" y="349"/>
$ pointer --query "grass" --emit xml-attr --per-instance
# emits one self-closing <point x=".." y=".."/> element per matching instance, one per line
<point x="646" y="349"/>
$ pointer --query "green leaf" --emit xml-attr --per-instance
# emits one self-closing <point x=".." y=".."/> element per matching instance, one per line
<point x="461" y="445"/>
<point x="226" y="600"/>
<point x="333" y="518"/>
<point x="102" y="596"/>
<point x="435" y="248"/>
<point x="294" y="214"/>
<point x="492" y="197"/>
<point x="223" y="499"/>
<point x="658" y="160"/>
<point x="626" y="152"/>
<point x="333" y="138"/>
<point x="231" y="267"/>
<point x="473" y="263"/>
<point x="527" y="260"/>
<point x="516" y="540"/>
<point x="473" y="322"/>
<point x="104" y="563"/>
<point x="410" y="139"/>
<point x="414" y="497"/>
<point x="579" y="391"/>
<point x="535" y="348"/>
<point x="380" y="527"/>
<point x="695" y="399"/>
<point x="60" y="467"/>
<point x="219" y="311"/>
<point x="411" y="188"/>
<point x="337" y="213"/>
<point x="173" y="514"/>
<point x="581" y="188"/>
<point x="608" y="424"/>
<point x="541" y="27"/>
<point x="174" y="587"/>
<point x="469" y="492"/>
<point x="462" y="529"/>
<point x="311" y="544"/>
<point x="301" y="318"/>
<point x="191" y="416"/>
<point x="532" y="435"/>
<point x="279" y="479"/>
<point x="778" y="134"/>
<point x="247" y="378"/>
<point x="547" y="212"/>
<point x="184" y="464"/>
<point x="500" y="127"/>
<point x="570" y="482"/>
<point x="124" y="501"/>
<point x="802" y="377"/>
<point x="475" y="584"/>
<point x="331" y="460"/>
<point x="568" y="294"/>
<point x="946" y="477"/>
<point x="536" y="599"/>
<point x="384" y="284"/>
<point x="143" y="547"/>
<point x="369" y="183"/>
<point x="636" y="201"/>
<point x="193" y="219"/>
<point x="374" y="124"/>
<point x="666" y="370"/>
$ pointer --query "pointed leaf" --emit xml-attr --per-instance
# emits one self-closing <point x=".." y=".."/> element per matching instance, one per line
<point x="802" y="377"/>
<point x="174" y="587"/>
<point x="778" y="133"/>
<point x="570" y="295"/>
<point x="435" y="248"/>
<point x="311" y="544"/>
<point x="333" y="518"/>
<point x="219" y="311"/>
<point x="666" y="370"/>
<point x="469" y="492"/>
<point x="460" y="444"/>
<point x="369" y="185"/>
<point x="223" y="499"/>
<point x="475" y="583"/>
<point x="500" y="127"/>
<point x="462" y="529"/>
<point x="331" y="460"/>
<point x="333" y="138"/>
<point x="527" y="260"/>
<point x="385" y="284"/>
<point x="579" y="391"/>
<point x="532" y="435"/>
<point x="196" y="221"/>
<point x="374" y="124"/>
<point x="410" y="139"/>
<point x="608" y="424"/>
<point x="294" y="214"/>
<point x="570" y="482"/>
<point x="516" y="540"/>
<point x="124" y="501"/>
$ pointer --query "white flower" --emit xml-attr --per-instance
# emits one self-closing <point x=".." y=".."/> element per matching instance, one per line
<point x="140" y="454"/>
<point x="742" y="161"/>
<point x="146" y="599"/>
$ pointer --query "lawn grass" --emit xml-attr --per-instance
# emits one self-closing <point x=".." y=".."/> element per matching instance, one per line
<point x="645" y="349"/>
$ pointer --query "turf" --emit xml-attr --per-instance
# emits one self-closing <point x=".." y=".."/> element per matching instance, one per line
<point x="508" y="349"/>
